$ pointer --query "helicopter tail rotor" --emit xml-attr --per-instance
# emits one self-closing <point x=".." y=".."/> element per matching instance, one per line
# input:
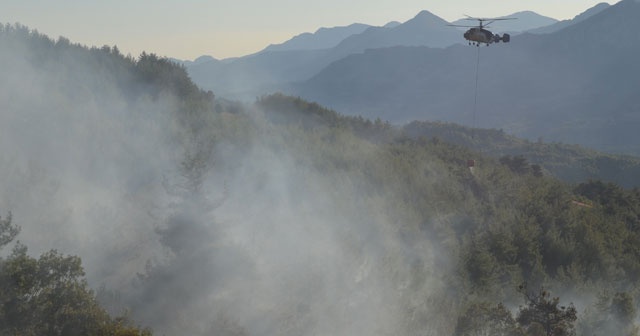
<point x="504" y="38"/>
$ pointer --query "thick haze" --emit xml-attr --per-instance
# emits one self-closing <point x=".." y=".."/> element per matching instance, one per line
<point x="227" y="28"/>
<point x="259" y="241"/>
<point x="81" y="160"/>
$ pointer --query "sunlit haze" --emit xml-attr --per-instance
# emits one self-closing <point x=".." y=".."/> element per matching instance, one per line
<point x="226" y="28"/>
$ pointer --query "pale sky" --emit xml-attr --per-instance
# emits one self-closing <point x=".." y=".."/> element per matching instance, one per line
<point x="186" y="29"/>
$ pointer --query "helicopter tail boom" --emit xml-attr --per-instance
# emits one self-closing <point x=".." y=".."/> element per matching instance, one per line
<point x="504" y="38"/>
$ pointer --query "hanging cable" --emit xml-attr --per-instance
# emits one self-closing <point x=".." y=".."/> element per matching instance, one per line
<point x="471" y="163"/>
<point x="475" y="100"/>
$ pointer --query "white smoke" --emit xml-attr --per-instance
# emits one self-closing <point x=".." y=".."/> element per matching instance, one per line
<point x="80" y="162"/>
<point x="275" y="243"/>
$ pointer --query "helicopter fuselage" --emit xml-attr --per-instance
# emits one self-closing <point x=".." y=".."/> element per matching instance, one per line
<point x="479" y="35"/>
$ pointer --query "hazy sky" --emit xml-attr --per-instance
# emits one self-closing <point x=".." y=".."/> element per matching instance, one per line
<point x="187" y="29"/>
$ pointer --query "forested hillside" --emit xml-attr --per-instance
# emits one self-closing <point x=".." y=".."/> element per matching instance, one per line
<point x="200" y="216"/>
<point x="569" y="163"/>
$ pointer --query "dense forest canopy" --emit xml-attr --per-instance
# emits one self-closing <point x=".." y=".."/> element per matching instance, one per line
<point x="49" y="296"/>
<point x="199" y="215"/>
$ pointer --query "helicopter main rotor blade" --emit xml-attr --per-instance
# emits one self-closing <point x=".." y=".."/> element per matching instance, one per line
<point x="487" y="19"/>
<point x="452" y="25"/>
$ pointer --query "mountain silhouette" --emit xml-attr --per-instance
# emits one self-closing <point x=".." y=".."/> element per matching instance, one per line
<point x="296" y="60"/>
<point x="305" y="55"/>
<point x="525" y="21"/>
<point x="566" y="23"/>
<point x="425" y="29"/>
<point x="323" y="38"/>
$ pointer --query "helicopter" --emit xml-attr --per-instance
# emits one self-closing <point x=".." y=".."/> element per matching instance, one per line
<point x="477" y="35"/>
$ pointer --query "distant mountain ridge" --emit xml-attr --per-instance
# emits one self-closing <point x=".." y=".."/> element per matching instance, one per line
<point x="566" y="23"/>
<point x="306" y="54"/>
<point x="323" y="38"/>
<point x="425" y="29"/>
<point x="577" y="85"/>
<point x="199" y="60"/>
<point x="524" y="21"/>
